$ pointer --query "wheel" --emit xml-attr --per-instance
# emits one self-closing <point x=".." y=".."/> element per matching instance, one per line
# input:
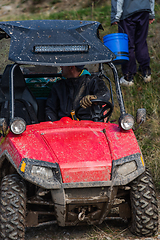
<point x="144" y="220"/>
<point x="97" y="110"/>
<point x="13" y="208"/>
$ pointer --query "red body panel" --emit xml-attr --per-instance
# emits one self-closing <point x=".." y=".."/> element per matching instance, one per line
<point x="83" y="150"/>
<point x="121" y="143"/>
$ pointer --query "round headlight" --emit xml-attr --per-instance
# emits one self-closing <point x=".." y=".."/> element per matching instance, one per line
<point x="126" y="122"/>
<point x="18" y="125"/>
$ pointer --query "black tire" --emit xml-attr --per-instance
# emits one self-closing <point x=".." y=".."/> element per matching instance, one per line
<point x="144" y="208"/>
<point x="13" y="208"/>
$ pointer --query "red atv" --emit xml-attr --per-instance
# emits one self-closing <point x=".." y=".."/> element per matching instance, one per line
<point x="69" y="171"/>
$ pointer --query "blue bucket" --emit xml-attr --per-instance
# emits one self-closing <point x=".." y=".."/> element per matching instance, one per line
<point x="118" y="44"/>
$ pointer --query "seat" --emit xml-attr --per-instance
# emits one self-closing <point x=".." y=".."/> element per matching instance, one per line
<point x="24" y="100"/>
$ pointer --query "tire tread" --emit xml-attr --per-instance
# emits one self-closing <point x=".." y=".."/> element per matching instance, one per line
<point x="144" y="206"/>
<point x="13" y="207"/>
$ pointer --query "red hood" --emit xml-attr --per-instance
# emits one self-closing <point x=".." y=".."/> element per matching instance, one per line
<point x="81" y="152"/>
<point x="84" y="150"/>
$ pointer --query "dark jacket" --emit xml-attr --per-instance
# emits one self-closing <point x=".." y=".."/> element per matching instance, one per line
<point x="67" y="93"/>
<point x="121" y="9"/>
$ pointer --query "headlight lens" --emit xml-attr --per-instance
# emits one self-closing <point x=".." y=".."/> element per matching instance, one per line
<point x="18" y="125"/>
<point x="42" y="172"/>
<point x="126" y="168"/>
<point x="126" y="122"/>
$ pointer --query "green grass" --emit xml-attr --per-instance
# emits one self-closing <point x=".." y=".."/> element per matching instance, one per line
<point x="139" y="96"/>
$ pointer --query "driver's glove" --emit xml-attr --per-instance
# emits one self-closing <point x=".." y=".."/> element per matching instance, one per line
<point x="86" y="101"/>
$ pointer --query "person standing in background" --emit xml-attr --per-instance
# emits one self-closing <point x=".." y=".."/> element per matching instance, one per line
<point x="133" y="18"/>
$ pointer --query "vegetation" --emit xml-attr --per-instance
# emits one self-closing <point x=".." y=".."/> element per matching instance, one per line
<point x="141" y="95"/>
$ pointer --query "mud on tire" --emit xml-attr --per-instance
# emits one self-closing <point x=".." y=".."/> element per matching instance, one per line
<point x="144" y="221"/>
<point x="13" y="208"/>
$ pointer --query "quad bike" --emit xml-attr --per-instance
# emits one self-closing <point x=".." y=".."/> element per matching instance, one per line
<point x="67" y="171"/>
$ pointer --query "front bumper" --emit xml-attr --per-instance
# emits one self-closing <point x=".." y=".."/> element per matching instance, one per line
<point x="89" y="200"/>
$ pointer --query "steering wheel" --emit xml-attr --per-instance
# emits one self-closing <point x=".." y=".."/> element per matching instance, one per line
<point x="96" y="110"/>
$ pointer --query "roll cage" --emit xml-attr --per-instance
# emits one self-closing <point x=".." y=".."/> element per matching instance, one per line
<point x="57" y="43"/>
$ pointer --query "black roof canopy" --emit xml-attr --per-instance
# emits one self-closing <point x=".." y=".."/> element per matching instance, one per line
<point x="55" y="42"/>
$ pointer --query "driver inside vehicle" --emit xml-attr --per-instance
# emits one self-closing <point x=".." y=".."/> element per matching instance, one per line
<point x="77" y="87"/>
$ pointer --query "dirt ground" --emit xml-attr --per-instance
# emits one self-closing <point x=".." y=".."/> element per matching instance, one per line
<point x="108" y="230"/>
